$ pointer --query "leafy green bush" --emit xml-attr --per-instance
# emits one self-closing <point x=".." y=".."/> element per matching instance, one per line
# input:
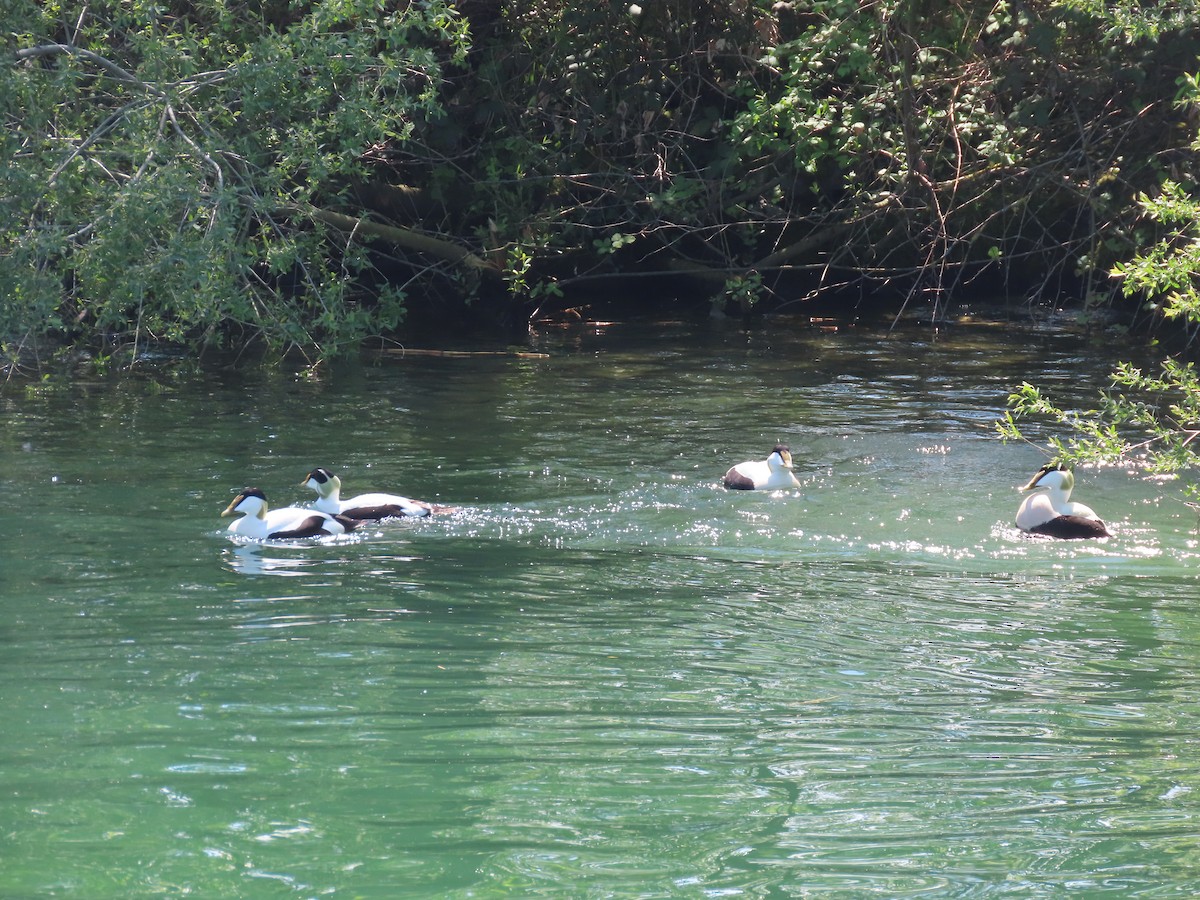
<point x="291" y="172"/>
<point x="158" y="165"/>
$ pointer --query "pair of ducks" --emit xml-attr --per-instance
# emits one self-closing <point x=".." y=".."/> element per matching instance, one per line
<point x="1047" y="510"/>
<point x="329" y="515"/>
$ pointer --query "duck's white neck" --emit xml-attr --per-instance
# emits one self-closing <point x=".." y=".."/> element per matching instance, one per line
<point x="1060" y="499"/>
<point x="331" y="489"/>
<point x="254" y="507"/>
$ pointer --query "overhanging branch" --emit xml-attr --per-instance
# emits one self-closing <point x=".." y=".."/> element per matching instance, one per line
<point x="440" y="248"/>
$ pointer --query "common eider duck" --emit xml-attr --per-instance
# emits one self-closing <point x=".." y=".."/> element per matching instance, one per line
<point x="364" y="507"/>
<point x="772" y="473"/>
<point x="1048" y="509"/>
<point x="258" y="522"/>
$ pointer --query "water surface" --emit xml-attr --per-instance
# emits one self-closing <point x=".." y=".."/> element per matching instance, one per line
<point x="603" y="675"/>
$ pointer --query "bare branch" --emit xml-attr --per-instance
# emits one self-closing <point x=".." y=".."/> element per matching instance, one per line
<point x="108" y="65"/>
<point x="401" y="237"/>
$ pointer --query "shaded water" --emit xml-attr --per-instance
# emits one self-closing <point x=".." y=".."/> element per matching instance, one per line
<point x="604" y="675"/>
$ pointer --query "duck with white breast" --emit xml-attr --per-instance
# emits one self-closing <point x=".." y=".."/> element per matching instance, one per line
<point x="770" y="474"/>
<point x="259" y="522"/>
<point x="365" y="507"/>
<point x="1048" y="509"/>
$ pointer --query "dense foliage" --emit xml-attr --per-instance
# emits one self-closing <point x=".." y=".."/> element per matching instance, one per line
<point x="162" y="164"/>
<point x="306" y="172"/>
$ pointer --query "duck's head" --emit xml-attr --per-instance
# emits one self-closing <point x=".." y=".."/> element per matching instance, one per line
<point x="780" y="458"/>
<point x="322" y="481"/>
<point x="1054" y="477"/>
<point x="250" y="501"/>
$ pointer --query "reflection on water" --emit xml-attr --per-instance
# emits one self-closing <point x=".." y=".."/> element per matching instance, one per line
<point x="251" y="559"/>
<point x="604" y="674"/>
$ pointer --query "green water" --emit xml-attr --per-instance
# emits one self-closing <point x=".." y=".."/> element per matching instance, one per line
<point x="604" y="675"/>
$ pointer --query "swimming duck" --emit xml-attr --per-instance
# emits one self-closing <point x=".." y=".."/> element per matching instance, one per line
<point x="363" y="507"/>
<point x="773" y="473"/>
<point x="1048" y="509"/>
<point x="289" y="522"/>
